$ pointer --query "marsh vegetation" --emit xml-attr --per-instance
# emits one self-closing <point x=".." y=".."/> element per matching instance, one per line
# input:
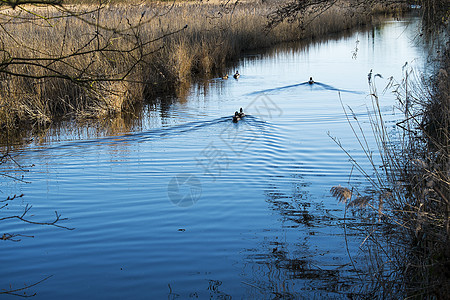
<point x="96" y="60"/>
<point x="406" y="211"/>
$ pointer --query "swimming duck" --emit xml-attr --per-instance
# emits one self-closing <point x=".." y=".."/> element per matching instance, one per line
<point x="225" y="77"/>
<point x="241" y="113"/>
<point x="236" y="75"/>
<point x="311" y="81"/>
<point x="236" y="117"/>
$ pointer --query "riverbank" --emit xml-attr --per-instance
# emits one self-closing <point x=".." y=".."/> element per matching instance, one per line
<point x="86" y="61"/>
<point x="426" y="173"/>
<point x="418" y="181"/>
<point x="407" y="209"/>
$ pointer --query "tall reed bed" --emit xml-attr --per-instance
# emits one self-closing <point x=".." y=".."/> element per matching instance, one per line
<point x="407" y="209"/>
<point x="92" y="61"/>
<point x="408" y="233"/>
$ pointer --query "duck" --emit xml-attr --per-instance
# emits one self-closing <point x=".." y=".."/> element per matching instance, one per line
<point x="241" y="113"/>
<point x="225" y="77"/>
<point x="236" y="117"/>
<point x="311" y="81"/>
<point x="236" y="75"/>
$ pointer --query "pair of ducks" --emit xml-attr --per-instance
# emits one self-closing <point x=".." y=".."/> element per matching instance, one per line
<point x="235" y="76"/>
<point x="238" y="116"/>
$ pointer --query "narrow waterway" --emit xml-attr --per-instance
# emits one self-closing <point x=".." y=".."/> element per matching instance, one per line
<point x="184" y="203"/>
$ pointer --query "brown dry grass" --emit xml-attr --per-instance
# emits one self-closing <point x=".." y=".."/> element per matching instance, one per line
<point x="409" y="200"/>
<point x="215" y="34"/>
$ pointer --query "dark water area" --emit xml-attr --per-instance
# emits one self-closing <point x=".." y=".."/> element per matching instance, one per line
<point x="180" y="202"/>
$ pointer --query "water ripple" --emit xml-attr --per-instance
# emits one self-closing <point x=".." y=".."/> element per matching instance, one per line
<point x="315" y="86"/>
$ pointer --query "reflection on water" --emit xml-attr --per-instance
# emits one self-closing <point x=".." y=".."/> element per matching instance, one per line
<point x="175" y="200"/>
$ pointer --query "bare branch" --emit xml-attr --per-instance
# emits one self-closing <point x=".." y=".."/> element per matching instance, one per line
<point x="27" y="209"/>
<point x="14" y="291"/>
<point x="15" y="3"/>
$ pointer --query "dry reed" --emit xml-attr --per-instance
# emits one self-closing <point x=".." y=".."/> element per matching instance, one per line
<point x="409" y="201"/>
<point x="133" y="52"/>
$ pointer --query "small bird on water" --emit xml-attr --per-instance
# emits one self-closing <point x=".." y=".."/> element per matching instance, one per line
<point x="241" y="113"/>
<point x="236" y="75"/>
<point x="311" y="81"/>
<point x="238" y="115"/>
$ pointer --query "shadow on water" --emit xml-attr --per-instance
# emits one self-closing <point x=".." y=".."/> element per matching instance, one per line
<point x="314" y="86"/>
<point x="175" y="131"/>
<point x="291" y="269"/>
<point x="154" y="111"/>
<point x="213" y="291"/>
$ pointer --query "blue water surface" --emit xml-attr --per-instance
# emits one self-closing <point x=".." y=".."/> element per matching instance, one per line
<point x="188" y="204"/>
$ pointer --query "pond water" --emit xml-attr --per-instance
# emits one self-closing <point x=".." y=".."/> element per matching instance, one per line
<point x="184" y="203"/>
